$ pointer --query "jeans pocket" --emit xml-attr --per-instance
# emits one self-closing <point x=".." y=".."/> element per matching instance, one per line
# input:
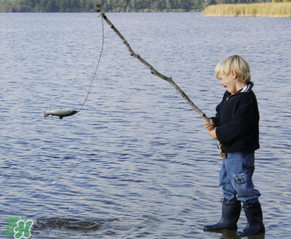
<point x="244" y="185"/>
<point x="242" y="178"/>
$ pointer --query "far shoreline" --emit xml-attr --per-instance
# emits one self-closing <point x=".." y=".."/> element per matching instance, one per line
<point x="273" y="9"/>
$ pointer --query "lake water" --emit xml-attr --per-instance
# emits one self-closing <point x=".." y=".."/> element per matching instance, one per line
<point x="136" y="162"/>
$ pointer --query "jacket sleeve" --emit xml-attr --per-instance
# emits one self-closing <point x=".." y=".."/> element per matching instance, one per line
<point x="216" y="119"/>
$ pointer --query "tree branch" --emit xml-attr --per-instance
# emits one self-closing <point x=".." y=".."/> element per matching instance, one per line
<point x="155" y="72"/>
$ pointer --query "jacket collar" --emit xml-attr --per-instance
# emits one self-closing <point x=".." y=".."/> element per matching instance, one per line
<point x="246" y="89"/>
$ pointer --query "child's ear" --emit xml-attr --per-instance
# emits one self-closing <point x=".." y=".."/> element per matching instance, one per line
<point x="234" y="75"/>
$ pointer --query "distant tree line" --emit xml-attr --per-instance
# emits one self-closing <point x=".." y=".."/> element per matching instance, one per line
<point x="112" y="5"/>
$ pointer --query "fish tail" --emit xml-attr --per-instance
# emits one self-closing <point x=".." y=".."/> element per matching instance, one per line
<point x="45" y="113"/>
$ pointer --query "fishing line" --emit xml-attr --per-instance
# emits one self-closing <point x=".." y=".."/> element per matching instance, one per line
<point x="94" y="75"/>
<point x="61" y="113"/>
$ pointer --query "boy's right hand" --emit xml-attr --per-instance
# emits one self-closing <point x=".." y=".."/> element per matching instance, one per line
<point x="209" y="126"/>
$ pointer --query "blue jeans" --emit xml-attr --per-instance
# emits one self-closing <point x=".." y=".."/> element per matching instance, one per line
<point x="235" y="177"/>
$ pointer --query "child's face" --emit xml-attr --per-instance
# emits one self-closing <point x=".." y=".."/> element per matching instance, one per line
<point x="228" y="81"/>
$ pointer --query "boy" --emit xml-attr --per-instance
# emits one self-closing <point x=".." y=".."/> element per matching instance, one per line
<point x="236" y="126"/>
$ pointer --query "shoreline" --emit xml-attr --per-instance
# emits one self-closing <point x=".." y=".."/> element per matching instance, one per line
<point x="282" y="9"/>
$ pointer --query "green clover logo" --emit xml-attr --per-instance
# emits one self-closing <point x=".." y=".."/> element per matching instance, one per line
<point x="21" y="229"/>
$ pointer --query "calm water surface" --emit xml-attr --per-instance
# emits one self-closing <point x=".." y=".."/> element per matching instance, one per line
<point x="137" y="161"/>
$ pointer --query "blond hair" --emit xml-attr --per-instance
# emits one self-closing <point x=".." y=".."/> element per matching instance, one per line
<point x="234" y="63"/>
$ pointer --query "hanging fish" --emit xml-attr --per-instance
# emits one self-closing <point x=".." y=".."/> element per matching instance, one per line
<point x="61" y="113"/>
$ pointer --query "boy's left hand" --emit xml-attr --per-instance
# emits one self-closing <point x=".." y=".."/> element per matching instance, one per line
<point x="213" y="133"/>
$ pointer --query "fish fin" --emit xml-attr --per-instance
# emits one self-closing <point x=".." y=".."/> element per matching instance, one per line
<point x="45" y="114"/>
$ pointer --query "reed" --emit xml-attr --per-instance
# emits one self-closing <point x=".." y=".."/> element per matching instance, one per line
<point x="272" y="9"/>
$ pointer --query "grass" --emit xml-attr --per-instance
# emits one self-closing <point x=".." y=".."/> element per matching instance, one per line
<point x="273" y="9"/>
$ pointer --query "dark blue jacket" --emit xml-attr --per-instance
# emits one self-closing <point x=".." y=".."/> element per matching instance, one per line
<point x="237" y="121"/>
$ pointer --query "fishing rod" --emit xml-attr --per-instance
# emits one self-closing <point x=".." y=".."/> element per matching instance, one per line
<point x="158" y="74"/>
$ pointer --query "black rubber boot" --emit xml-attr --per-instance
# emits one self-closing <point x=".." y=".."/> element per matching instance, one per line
<point x="230" y="214"/>
<point x="254" y="216"/>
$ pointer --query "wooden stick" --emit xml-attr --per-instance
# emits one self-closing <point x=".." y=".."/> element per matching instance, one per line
<point x="155" y="72"/>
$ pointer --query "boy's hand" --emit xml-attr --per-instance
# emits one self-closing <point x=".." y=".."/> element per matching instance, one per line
<point x="213" y="133"/>
<point x="209" y="126"/>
